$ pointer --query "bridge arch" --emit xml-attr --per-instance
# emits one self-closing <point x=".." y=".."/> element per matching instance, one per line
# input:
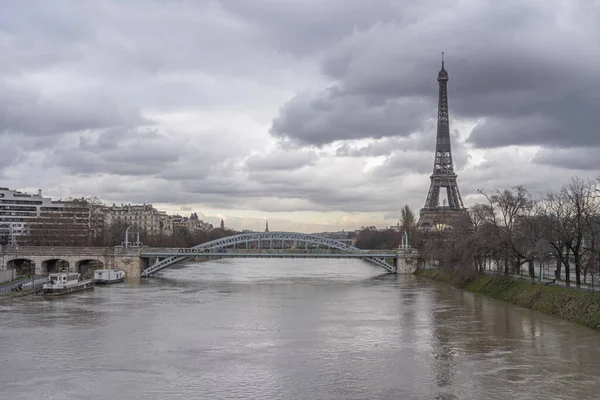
<point x="87" y="265"/>
<point x="54" y="265"/>
<point x="243" y="238"/>
<point x="22" y="266"/>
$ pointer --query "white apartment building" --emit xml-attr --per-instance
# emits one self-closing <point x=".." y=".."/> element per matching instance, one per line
<point x="16" y="209"/>
<point x="21" y="212"/>
<point x="143" y="216"/>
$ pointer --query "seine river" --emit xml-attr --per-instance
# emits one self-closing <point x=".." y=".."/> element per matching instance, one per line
<point x="289" y="329"/>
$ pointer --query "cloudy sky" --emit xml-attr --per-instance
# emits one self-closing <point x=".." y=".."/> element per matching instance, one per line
<point x="314" y="114"/>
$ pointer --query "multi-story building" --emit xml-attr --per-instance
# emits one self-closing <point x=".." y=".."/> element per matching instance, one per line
<point x="144" y="216"/>
<point x="191" y="223"/>
<point x="16" y="210"/>
<point x="71" y="222"/>
<point x="24" y="214"/>
<point x="40" y="220"/>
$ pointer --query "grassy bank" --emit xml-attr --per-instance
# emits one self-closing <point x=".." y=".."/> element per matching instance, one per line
<point x="569" y="304"/>
<point x="434" y="274"/>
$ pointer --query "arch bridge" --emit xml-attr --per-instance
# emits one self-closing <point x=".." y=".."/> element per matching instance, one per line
<point x="268" y="244"/>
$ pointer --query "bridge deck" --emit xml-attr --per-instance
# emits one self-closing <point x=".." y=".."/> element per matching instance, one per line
<point x="268" y="254"/>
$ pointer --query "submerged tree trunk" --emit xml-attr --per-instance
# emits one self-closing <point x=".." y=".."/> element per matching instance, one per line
<point x="567" y="268"/>
<point x="480" y="263"/>
<point x="517" y="267"/>
<point x="531" y="269"/>
<point x="577" y="270"/>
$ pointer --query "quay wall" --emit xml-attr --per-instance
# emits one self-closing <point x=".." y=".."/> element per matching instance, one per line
<point x="126" y="259"/>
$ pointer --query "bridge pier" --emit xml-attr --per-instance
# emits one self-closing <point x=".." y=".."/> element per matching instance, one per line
<point x="406" y="262"/>
<point x="130" y="261"/>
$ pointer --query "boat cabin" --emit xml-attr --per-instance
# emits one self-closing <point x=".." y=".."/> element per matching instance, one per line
<point x="59" y="280"/>
<point x="107" y="276"/>
<point x="65" y="282"/>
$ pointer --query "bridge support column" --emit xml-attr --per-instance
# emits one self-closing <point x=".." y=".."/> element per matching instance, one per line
<point x="406" y="262"/>
<point x="130" y="262"/>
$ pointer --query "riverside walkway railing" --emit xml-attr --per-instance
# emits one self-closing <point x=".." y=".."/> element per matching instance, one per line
<point x="27" y="283"/>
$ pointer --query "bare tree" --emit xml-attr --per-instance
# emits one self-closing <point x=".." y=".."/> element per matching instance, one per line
<point x="557" y="215"/>
<point x="579" y="197"/>
<point x="507" y="211"/>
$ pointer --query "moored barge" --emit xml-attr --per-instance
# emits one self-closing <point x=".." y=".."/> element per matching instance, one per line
<point x="108" y="276"/>
<point x="65" y="282"/>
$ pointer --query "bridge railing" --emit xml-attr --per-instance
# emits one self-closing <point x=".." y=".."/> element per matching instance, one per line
<point x="184" y="251"/>
<point x="66" y="250"/>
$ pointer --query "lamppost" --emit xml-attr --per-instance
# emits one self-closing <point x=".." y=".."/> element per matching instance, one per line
<point x="404" y="245"/>
<point x="137" y="240"/>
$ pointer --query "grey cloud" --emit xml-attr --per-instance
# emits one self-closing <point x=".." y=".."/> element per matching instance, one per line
<point x="402" y="163"/>
<point x="528" y="130"/>
<point x="395" y="216"/>
<point x="279" y="160"/>
<point x="558" y="120"/>
<point x="510" y="167"/>
<point x="586" y="159"/>
<point x="300" y="190"/>
<point x="331" y="116"/>
<point x="39" y="35"/>
<point x="545" y="89"/>
<point x="116" y="35"/>
<point x="119" y="152"/>
<point x="95" y="65"/>
<point x="420" y="141"/>
<point x="302" y="27"/>
<point x="24" y="111"/>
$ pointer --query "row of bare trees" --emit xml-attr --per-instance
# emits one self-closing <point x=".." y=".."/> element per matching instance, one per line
<point x="511" y="229"/>
<point x="48" y="233"/>
<point x="372" y="238"/>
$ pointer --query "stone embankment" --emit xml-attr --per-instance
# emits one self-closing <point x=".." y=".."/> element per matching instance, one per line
<point x="570" y="304"/>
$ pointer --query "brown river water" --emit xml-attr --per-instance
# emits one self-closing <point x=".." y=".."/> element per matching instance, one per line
<point x="289" y="329"/>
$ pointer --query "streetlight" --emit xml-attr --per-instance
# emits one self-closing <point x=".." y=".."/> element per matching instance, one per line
<point x="137" y="242"/>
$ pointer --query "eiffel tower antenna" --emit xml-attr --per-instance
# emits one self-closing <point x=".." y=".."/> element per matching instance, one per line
<point x="443" y="176"/>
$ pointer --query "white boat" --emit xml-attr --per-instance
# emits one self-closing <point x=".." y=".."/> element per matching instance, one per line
<point x="108" y="276"/>
<point x="65" y="282"/>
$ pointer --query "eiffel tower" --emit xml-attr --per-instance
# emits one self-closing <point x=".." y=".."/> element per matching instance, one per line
<point x="443" y="176"/>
